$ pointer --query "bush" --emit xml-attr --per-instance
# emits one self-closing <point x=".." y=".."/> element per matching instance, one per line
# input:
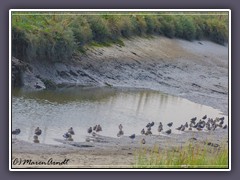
<point x="139" y="24"/>
<point x="81" y="30"/>
<point x="218" y="32"/>
<point x="200" y="27"/>
<point x="150" y="24"/>
<point x="189" y="30"/>
<point x="178" y="28"/>
<point x="120" y="26"/>
<point x="167" y="26"/>
<point x="99" y="28"/>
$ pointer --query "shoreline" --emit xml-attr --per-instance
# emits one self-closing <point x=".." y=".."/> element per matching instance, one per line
<point x="107" y="152"/>
<point x="197" y="71"/>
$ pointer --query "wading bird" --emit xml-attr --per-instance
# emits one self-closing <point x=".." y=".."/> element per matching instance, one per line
<point x="70" y="130"/>
<point x="89" y="130"/>
<point x="169" y="131"/>
<point x="38" y="131"/>
<point x="170" y="124"/>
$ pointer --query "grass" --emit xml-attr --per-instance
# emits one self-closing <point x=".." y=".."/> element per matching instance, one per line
<point x="189" y="156"/>
<point x="58" y="37"/>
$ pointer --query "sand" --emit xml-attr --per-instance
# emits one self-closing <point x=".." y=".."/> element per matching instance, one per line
<point x="106" y="152"/>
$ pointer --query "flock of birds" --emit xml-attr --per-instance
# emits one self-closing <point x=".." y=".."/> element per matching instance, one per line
<point x="37" y="133"/>
<point x="204" y="123"/>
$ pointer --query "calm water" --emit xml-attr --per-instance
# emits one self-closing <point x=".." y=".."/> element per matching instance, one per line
<point x="57" y="110"/>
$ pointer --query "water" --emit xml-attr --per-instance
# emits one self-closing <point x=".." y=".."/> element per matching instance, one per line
<point x="55" y="111"/>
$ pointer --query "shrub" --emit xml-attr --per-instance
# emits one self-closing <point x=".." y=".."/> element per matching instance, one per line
<point x="81" y="30"/>
<point x="139" y="24"/>
<point x="120" y="26"/>
<point x="217" y="31"/>
<point x="150" y="24"/>
<point x="189" y="30"/>
<point x="167" y="26"/>
<point x="178" y="27"/>
<point x="99" y="28"/>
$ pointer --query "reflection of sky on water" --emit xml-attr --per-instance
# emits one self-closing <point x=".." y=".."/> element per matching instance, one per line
<point x="55" y="111"/>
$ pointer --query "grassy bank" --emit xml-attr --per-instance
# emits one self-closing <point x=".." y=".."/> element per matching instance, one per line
<point x="54" y="37"/>
<point x="191" y="156"/>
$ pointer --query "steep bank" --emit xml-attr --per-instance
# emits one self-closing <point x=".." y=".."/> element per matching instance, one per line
<point x="196" y="70"/>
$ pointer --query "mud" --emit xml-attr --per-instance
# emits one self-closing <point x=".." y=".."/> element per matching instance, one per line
<point x="197" y="70"/>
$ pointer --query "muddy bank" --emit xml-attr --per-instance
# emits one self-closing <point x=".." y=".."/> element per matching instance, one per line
<point x="109" y="152"/>
<point x="195" y="70"/>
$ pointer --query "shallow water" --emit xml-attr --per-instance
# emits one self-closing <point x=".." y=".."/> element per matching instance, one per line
<point x="55" y="111"/>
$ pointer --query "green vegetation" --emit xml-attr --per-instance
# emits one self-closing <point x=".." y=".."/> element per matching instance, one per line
<point x="53" y="37"/>
<point x="189" y="156"/>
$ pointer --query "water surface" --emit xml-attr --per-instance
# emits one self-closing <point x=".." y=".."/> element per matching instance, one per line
<point x="55" y="111"/>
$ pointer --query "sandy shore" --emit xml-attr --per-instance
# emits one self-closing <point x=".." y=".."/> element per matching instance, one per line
<point x="106" y="152"/>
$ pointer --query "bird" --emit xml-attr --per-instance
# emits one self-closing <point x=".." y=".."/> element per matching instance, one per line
<point x="183" y="128"/>
<point x="179" y="128"/>
<point x="152" y="124"/>
<point x="222" y="118"/>
<point x="99" y="128"/>
<point x="170" y="124"/>
<point x="204" y="117"/>
<point x="120" y="133"/>
<point x="202" y="124"/>
<point x="120" y="126"/>
<point x="169" y="131"/>
<point x="66" y="135"/>
<point x="95" y="127"/>
<point x="208" y="126"/>
<point x="35" y="139"/>
<point x="193" y="120"/>
<point x="148" y="125"/>
<point x="143" y="141"/>
<point x="225" y="127"/>
<point x="142" y="131"/>
<point x="132" y="136"/>
<point x="221" y="122"/>
<point x="70" y="130"/>
<point x="186" y="125"/>
<point x="160" y="128"/>
<point x="148" y="131"/>
<point x="38" y="131"/>
<point x="191" y="124"/>
<point x="196" y="125"/>
<point x="16" y="132"/>
<point x="89" y="130"/>
<point x="214" y="126"/>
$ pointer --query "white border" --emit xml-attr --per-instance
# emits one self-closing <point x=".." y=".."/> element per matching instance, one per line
<point x="117" y="10"/>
